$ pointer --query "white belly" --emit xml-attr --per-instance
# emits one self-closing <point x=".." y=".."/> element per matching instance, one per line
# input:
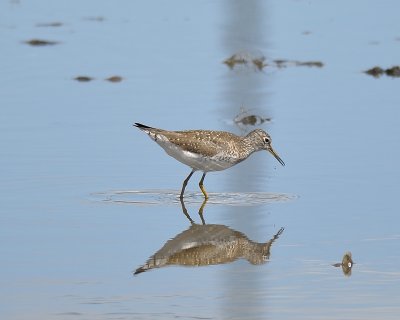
<point x="195" y="161"/>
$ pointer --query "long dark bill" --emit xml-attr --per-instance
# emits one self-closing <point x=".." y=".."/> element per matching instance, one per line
<point x="272" y="151"/>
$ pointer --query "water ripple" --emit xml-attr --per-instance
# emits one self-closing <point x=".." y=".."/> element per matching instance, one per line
<point x="171" y="197"/>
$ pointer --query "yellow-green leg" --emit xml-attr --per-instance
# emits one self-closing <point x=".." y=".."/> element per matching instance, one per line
<point x="202" y="186"/>
<point x="185" y="183"/>
<point x="201" y="211"/>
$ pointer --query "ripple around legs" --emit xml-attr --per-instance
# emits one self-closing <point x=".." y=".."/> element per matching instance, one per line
<point x="171" y="197"/>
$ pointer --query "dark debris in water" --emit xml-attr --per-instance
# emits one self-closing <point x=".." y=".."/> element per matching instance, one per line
<point x="246" y="59"/>
<point x="259" y="62"/>
<point x="114" y="79"/>
<point x="317" y="64"/>
<point x="375" y="72"/>
<point x="50" y="24"/>
<point x="393" y="71"/>
<point x="83" y="78"/>
<point x="282" y="63"/>
<point x="378" y="71"/>
<point x="236" y="59"/>
<point x="346" y="264"/>
<point x="40" y="42"/>
<point x="252" y="120"/>
<point x="244" y="119"/>
<point x="95" y="18"/>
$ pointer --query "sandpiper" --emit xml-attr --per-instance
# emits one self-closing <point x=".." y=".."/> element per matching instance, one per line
<point x="207" y="150"/>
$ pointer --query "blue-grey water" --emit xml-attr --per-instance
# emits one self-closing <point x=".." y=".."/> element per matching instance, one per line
<point x="87" y="199"/>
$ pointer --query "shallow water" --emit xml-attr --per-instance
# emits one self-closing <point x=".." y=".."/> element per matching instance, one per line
<point x="171" y="197"/>
<point x="86" y="198"/>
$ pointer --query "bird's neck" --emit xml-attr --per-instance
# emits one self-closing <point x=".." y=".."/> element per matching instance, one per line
<point x="248" y="144"/>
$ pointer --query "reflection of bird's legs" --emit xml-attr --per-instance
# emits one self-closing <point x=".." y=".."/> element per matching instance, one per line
<point x="185" y="183"/>
<point x="185" y="212"/>
<point x="202" y="186"/>
<point x="201" y="210"/>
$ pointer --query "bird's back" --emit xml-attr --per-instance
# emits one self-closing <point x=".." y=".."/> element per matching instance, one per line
<point x="205" y="150"/>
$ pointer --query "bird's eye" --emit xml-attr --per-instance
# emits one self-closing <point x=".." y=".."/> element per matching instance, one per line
<point x="267" y="140"/>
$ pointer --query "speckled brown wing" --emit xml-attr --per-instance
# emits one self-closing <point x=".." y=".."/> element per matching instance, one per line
<point x="206" y="142"/>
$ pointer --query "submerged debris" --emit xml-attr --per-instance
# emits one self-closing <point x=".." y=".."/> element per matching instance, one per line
<point x="244" y="119"/>
<point x="346" y="264"/>
<point x="282" y="63"/>
<point x="98" y="18"/>
<point x="375" y="72"/>
<point x="393" y="71"/>
<point x="87" y="79"/>
<point x="317" y="64"/>
<point x="83" y="78"/>
<point x="259" y="62"/>
<point x="378" y="71"/>
<point x="114" y="79"/>
<point x="49" y="24"/>
<point x="237" y="58"/>
<point x="40" y="43"/>
<point x="250" y="120"/>
<point x="247" y="59"/>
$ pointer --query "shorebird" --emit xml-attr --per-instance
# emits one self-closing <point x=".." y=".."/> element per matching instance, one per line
<point x="207" y="150"/>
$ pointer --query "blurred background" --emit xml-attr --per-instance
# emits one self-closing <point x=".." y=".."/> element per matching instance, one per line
<point x="87" y="199"/>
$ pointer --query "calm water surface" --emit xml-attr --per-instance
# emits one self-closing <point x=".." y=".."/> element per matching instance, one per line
<point x="87" y="200"/>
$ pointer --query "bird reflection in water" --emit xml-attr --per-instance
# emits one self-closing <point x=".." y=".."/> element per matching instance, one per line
<point x="208" y="244"/>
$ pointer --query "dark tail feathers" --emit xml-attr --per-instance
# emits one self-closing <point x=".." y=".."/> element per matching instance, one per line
<point x="141" y="126"/>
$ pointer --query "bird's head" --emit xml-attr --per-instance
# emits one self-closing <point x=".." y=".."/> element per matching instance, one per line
<point x="262" y="141"/>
